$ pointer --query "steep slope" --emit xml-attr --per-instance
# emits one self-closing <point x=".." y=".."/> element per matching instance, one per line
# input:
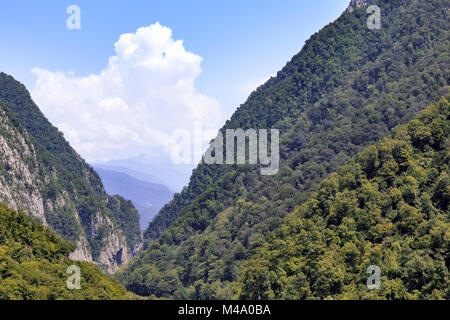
<point x="42" y="174"/>
<point x="347" y="88"/>
<point x="388" y="207"/>
<point x="34" y="262"/>
<point x="147" y="197"/>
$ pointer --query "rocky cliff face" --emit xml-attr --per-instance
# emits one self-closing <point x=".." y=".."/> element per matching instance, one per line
<point x="43" y="176"/>
<point x="355" y="4"/>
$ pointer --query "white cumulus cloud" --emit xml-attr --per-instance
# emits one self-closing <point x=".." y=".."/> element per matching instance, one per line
<point x="132" y="107"/>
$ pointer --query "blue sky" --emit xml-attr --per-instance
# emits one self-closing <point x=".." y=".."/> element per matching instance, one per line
<point x="240" y="41"/>
<point x="154" y="89"/>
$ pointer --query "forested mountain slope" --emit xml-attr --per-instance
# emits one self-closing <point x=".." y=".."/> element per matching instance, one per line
<point x="34" y="262"/>
<point x="347" y="88"/>
<point x="387" y="207"/>
<point x="41" y="174"/>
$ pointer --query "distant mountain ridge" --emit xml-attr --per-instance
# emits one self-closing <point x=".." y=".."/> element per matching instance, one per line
<point x="133" y="173"/>
<point x="172" y="175"/>
<point x="41" y="174"/>
<point x="147" y="197"/>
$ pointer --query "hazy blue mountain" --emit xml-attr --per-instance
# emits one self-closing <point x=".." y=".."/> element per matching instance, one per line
<point x="134" y="173"/>
<point x="148" y="197"/>
<point x="174" y="176"/>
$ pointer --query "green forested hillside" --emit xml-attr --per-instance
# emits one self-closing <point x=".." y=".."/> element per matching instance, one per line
<point x="388" y="207"/>
<point x="347" y="88"/>
<point x="34" y="261"/>
<point x="41" y="174"/>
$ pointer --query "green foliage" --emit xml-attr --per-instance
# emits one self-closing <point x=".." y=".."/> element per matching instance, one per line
<point x="34" y="261"/>
<point x="347" y="88"/>
<point x="363" y="216"/>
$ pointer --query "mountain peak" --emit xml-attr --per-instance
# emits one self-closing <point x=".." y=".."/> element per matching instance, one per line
<point x="355" y="4"/>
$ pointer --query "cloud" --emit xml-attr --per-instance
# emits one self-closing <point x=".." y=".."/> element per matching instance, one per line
<point x="132" y="107"/>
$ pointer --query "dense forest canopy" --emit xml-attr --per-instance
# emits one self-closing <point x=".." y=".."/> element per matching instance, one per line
<point x="387" y="207"/>
<point x="34" y="262"/>
<point x="347" y="88"/>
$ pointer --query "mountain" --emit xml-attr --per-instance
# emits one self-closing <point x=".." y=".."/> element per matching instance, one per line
<point x="147" y="197"/>
<point x="347" y="88"/>
<point x="42" y="175"/>
<point x="133" y="173"/>
<point x="175" y="176"/>
<point x="34" y="262"/>
<point x="388" y="207"/>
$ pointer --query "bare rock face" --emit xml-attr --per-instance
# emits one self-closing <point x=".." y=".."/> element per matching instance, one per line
<point x="18" y="167"/>
<point x="82" y="252"/>
<point x="355" y="4"/>
<point x="114" y="252"/>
